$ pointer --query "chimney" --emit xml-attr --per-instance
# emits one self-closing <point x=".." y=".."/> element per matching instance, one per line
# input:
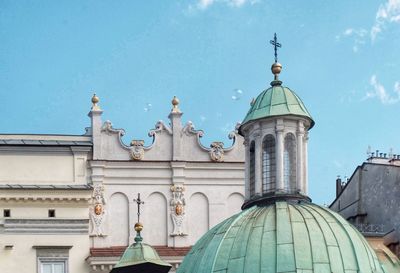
<point x="338" y="186"/>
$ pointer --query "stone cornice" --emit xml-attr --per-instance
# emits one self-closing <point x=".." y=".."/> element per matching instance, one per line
<point x="46" y="195"/>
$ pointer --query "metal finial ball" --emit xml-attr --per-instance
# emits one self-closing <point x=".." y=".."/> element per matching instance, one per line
<point x="276" y="68"/>
<point x="95" y="99"/>
<point x="138" y="227"/>
<point x="175" y="101"/>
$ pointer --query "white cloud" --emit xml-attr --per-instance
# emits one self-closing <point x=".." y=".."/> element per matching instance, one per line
<point x="204" y="4"/>
<point x="380" y="92"/>
<point x="375" y="30"/>
<point x="358" y="36"/>
<point x="388" y="12"/>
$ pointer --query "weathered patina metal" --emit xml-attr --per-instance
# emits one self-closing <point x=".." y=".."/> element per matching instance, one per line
<point x="277" y="101"/>
<point x="282" y="237"/>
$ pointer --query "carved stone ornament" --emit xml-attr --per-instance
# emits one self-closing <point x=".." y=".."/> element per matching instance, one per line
<point x="217" y="151"/>
<point x="97" y="211"/>
<point x="177" y="207"/>
<point x="189" y="129"/>
<point x="109" y="130"/>
<point x="159" y="127"/>
<point x="137" y="149"/>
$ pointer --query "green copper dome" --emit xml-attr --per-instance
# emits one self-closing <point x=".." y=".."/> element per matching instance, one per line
<point x="277" y="101"/>
<point x="140" y="257"/>
<point x="282" y="237"/>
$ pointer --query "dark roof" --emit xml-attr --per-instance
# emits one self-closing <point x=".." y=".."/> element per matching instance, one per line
<point x="34" y="142"/>
<point x="117" y="251"/>
<point x="45" y="187"/>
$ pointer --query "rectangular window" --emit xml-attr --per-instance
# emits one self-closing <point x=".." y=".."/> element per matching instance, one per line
<point x="52" y="267"/>
<point x="52" y="259"/>
<point x="52" y="213"/>
<point x="7" y="213"/>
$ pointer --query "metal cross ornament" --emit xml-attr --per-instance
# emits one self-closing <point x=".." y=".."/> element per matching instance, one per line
<point x="275" y="43"/>
<point x="138" y="202"/>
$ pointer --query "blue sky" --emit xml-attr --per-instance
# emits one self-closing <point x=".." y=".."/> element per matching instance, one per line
<point x="341" y="57"/>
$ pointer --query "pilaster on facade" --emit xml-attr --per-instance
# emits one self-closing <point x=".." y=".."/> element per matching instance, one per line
<point x="80" y="155"/>
<point x="177" y="134"/>
<point x="178" y="172"/>
<point x="96" y="124"/>
<point x="97" y="171"/>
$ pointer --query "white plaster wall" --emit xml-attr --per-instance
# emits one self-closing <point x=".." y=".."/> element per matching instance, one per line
<point x="32" y="168"/>
<point x="221" y="184"/>
<point x="22" y="258"/>
<point x="118" y="219"/>
<point x="39" y="211"/>
<point x="155" y="219"/>
<point x="234" y="203"/>
<point x="198" y="214"/>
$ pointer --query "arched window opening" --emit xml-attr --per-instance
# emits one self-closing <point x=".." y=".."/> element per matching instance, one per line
<point x="269" y="164"/>
<point x="289" y="163"/>
<point x="252" y="186"/>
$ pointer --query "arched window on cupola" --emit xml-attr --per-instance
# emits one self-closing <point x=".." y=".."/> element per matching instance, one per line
<point x="252" y="185"/>
<point x="269" y="164"/>
<point x="289" y="163"/>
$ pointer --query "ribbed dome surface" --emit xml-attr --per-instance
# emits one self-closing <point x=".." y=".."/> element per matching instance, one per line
<point x="139" y="253"/>
<point x="277" y="101"/>
<point x="282" y="237"/>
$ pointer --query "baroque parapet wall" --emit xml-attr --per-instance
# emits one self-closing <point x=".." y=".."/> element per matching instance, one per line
<point x="174" y="141"/>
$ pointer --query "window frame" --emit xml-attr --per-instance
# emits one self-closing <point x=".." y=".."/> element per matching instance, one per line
<point x="269" y="170"/>
<point x="52" y="254"/>
<point x="290" y="162"/>
<point x="52" y="260"/>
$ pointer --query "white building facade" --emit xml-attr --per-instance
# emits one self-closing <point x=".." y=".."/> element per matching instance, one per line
<point x="67" y="202"/>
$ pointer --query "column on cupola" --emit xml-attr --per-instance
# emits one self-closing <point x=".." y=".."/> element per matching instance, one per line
<point x="305" y="164"/>
<point x="96" y="123"/>
<point x="300" y="170"/>
<point x="279" y="154"/>
<point x="258" y="161"/>
<point x="246" y="144"/>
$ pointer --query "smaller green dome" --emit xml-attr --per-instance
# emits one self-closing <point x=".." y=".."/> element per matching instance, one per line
<point x="142" y="257"/>
<point x="277" y="101"/>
